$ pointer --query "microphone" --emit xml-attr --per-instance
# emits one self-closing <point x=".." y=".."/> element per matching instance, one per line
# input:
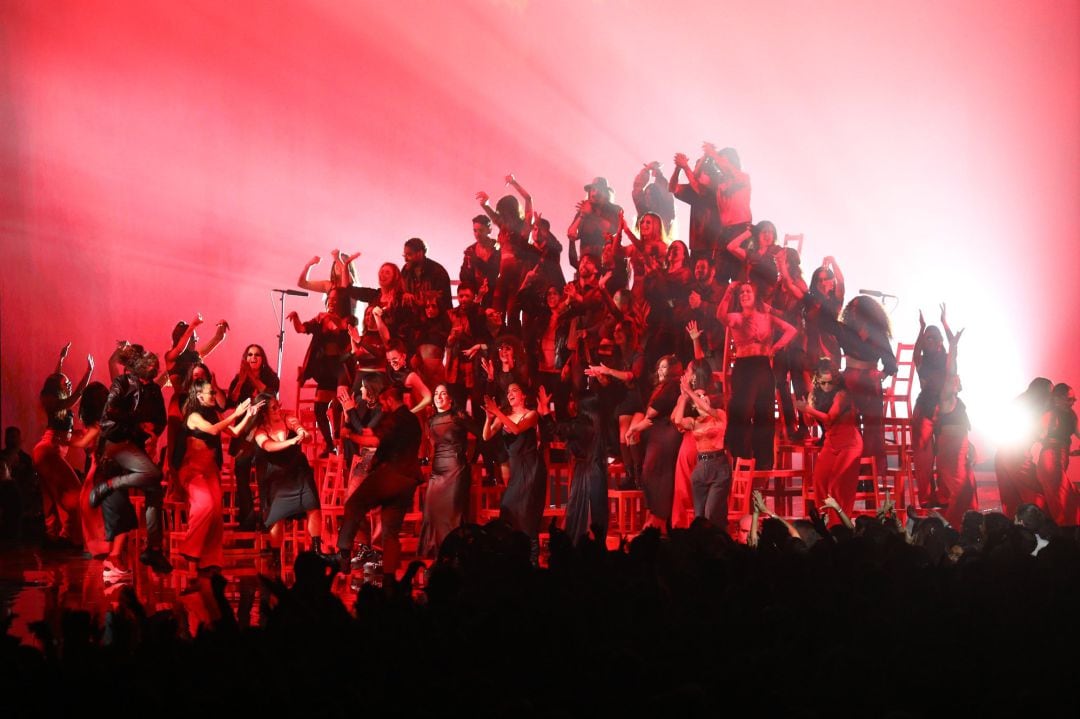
<point x="296" y="293"/>
<point x="876" y="293"/>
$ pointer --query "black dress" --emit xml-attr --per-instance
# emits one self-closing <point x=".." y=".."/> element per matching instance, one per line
<point x="661" y="450"/>
<point x="523" y="502"/>
<point x="447" y="497"/>
<point x="289" y="482"/>
<point x="587" y="506"/>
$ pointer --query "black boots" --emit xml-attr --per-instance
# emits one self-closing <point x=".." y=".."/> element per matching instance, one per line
<point x="316" y="546"/>
<point x="99" y="492"/>
<point x="156" y="560"/>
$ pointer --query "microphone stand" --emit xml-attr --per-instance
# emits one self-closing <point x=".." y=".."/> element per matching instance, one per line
<point x="281" y="330"/>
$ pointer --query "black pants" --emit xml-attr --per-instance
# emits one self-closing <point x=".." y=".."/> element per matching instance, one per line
<point x="136" y="471"/>
<point x="751" y="422"/>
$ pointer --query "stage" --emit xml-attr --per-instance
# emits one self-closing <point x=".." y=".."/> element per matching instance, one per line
<point x="38" y="584"/>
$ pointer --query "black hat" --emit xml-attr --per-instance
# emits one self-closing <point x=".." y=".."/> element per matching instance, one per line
<point x="600" y="182"/>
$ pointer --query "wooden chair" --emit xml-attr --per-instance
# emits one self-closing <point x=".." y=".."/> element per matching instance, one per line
<point x="742" y="481"/>
<point x="626" y="515"/>
<point x="868" y="489"/>
<point x="332" y="495"/>
<point x="484" y="496"/>
<point x="560" y="467"/>
<point x="239" y="545"/>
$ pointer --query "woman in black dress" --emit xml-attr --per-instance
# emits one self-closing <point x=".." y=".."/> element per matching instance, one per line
<point x="330" y="345"/>
<point x="661" y="443"/>
<point x="283" y="469"/>
<point x="447" y="497"/>
<point x="253" y="378"/>
<point x="587" y="506"/>
<point x="523" y="502"/>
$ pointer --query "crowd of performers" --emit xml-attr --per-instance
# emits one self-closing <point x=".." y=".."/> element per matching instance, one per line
<point x="623" y="362"/>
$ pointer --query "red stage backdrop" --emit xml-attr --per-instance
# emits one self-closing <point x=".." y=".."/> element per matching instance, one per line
<point x="164" y="158"/>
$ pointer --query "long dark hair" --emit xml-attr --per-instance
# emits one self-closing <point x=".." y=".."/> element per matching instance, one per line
<point x="92" y="404"/>
<point x="864" y="312"/>
<point x="675" y="369"/>
<point x="191" y="401"/>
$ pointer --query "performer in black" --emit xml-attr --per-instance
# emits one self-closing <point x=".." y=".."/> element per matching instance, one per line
<point x="133" y="420"/>
<point x="394" y="476"/>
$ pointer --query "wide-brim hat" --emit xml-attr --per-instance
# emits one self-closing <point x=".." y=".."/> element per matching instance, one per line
<point x="600" y="182"/>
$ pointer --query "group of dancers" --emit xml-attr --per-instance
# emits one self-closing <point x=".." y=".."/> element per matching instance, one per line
<point x="627" y="361"/>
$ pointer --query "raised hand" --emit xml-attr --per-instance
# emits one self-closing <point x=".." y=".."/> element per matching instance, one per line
<point x="681" y="160"/>
<point x="346" y="399"/>
<point x="831" y="503"/>
<point x="64" y="351"/>
<point x="759" y="503"/>
<point x="198" y="320"/>
<point x="510" y="179"/>
<point x="922" y="322"/>
<point x="543" y="401"/>
<point x="692" y="330"/>
<point x="90" y="362"/>
<point x="314" y="261"/>
<point x="482" y="197"/>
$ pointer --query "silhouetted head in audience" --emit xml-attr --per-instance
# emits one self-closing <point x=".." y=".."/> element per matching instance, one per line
<point x="1034" y="518"/>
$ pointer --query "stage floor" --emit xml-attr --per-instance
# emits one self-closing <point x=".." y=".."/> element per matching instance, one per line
<point x="38" y="584"/>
